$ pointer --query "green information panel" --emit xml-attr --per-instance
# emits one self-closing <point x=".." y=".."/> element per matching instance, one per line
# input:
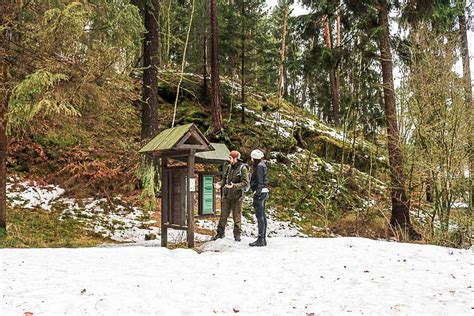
<point x="207" y="195"/>
<point x="207" y="202"/>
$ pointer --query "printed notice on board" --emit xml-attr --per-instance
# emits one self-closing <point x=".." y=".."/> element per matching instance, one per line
<point x="192" y="184"/>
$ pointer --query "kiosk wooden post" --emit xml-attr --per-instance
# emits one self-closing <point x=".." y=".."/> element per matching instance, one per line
<point x="191" y="190"/>
<point x="164" y="202"/>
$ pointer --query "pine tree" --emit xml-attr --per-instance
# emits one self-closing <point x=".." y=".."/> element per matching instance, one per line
<point x="151" y="62"/>
<point x="283" y="49"/>
<point x="215" y="94"/>
<point x="6" y="9"/>
<point x="468" y="92"/>
<point x="400" y="203"/>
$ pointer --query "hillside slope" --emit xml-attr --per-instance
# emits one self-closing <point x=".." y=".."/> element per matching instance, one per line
<point x="319" y="176"/>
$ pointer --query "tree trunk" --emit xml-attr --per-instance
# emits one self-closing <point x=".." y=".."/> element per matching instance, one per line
<point x="400" y="207"/>
<point x="151" y="61"/>
<point x="465" y="62"/>
<point x="216" y="104"/>
<point x="205" y="85"/>
<point x="285" y="84"/>
<point x="333" y="86"/>
<point x="304" y="89"/>
<point x="4" y="97"/>
<point x="283" y="49"/>
<point x="334" y="95"/>
<point x="338" y="23"/>
<point x="468" y="90"/>
<point x="242" y="64"/>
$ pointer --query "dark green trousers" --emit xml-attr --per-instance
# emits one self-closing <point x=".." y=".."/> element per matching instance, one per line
<point x="229" y="206"/>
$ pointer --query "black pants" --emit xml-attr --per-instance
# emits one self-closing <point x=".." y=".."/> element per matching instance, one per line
<point x="259" y="206"/>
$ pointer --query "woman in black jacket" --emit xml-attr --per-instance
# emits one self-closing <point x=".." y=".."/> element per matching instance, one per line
<point x="258" y="184"/>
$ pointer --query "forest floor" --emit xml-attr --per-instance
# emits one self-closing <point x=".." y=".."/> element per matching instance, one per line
<point x="292" y="275"/>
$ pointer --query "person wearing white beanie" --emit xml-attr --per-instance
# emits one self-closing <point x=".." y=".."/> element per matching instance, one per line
<point x="259" y="185"/>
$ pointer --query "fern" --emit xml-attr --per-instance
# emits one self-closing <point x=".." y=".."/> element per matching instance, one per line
<point x="33" y="96"/>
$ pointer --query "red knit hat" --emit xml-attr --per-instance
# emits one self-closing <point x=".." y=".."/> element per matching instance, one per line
<point x="234" y="154"/>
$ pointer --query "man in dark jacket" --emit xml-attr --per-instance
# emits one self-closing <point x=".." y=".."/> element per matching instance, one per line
<point x="259" y="185"/>
<point x="234" y="182"/>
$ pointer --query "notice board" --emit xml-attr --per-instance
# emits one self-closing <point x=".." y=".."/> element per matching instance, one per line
<point x="207" y="199"/>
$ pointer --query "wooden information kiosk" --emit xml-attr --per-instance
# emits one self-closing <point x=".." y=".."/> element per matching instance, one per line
<point x="178" y="182"/>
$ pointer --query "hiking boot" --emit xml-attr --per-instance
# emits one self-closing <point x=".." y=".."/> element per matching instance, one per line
<point x="260" y="242"/>
<point x="237" y="238"/>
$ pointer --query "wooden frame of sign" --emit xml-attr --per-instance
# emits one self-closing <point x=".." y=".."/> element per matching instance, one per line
<point x="178" y="183"/>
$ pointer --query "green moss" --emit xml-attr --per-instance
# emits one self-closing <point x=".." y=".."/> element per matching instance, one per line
<point x="255" y="105"/>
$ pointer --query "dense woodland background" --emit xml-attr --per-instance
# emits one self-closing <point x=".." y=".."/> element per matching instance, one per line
<point x="84" y="84"/>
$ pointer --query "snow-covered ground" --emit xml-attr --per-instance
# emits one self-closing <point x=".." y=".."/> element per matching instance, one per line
<point x="297" y="276"/>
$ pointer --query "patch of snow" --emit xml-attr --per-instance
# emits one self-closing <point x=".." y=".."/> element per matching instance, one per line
<point x="315" y="166"/>
<point x="247" y="110"/>
<point x="425" y="217"/>
<point x="272" y="121"/>
<point x="30" y="195"/>
<point x="459" y="205"/>
<point x="291" y="157"/>
<point x="283" y="132"/>
<point x="310" y="124"/>
<point x="117" y="222"/>
<point x="329" y="168"/>
<point x="368" y="203"/>
<point x="275" y="228"/>
<point x="336" y="135"/>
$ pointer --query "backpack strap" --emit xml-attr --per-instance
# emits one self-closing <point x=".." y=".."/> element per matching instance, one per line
<point x="242" y="165"/>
